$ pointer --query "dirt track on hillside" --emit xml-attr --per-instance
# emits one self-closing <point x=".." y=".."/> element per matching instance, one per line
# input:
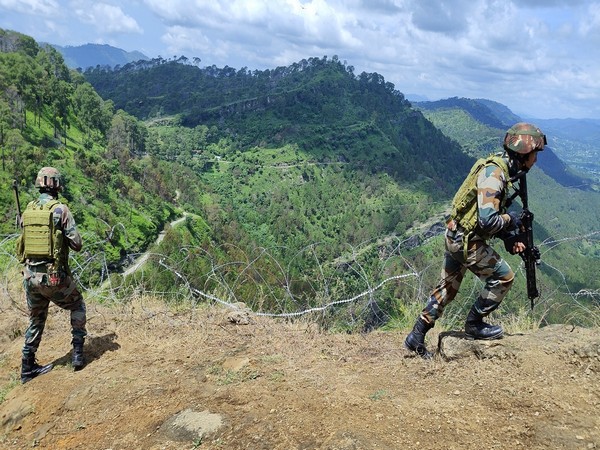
<point x="158" y="379"/>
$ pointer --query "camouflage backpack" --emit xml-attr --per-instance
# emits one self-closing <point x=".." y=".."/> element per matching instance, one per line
<point x="464" y="204"/>
<point x="40" y="239"/>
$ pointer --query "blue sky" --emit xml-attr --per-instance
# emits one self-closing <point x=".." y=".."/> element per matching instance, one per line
<point x="541" y="58"/>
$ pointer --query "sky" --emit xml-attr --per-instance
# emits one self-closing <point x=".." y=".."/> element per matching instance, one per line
<point x="541" y="58"/>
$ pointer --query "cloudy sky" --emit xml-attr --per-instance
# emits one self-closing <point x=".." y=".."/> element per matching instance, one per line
<point x="541" y="58"/>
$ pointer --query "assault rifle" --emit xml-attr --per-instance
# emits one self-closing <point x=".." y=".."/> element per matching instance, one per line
<point x="531" y="255"/>
<point x="16" y="189"/>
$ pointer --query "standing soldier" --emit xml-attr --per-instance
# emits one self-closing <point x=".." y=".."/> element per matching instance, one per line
<point x="479" y="213"/>
<point x="49" y="231"/>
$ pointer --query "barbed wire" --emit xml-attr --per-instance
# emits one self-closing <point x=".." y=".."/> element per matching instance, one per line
<point x="292" y="314"/>
<point x="321" y="287"/>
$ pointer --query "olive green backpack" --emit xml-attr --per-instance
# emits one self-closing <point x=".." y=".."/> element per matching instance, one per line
<point x="40" y="240"/>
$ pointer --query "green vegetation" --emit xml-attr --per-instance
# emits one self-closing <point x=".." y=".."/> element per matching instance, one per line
<point x="304" y="186"/>
<point x="52" y="116"/>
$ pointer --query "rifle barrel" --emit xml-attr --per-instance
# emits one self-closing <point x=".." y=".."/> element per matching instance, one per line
<point x="16" y="189"/>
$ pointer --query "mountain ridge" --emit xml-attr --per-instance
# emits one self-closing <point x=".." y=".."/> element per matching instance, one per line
<point x="326" y="164"/>
<point x="92" y="55"/>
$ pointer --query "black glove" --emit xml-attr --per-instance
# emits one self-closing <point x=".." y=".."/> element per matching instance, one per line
<point x="510" y="239"/>
<point x="515" y="221"/>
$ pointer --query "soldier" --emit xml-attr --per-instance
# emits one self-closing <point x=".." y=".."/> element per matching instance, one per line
<point x="469" y="228"/>
<point x="49" y="231"/>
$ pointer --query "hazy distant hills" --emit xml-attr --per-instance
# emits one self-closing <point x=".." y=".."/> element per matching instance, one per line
<point x="91" y="55"/>
<point x="575" y="141"/>
<point x="479" y="125"/>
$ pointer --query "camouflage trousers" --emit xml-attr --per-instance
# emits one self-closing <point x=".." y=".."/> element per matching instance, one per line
<point x="39" y="295"/>
<point x="483" y="261"/>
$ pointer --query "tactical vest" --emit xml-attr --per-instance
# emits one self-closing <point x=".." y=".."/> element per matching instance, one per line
<point x="40" y="239"/>
<point x="464" y="204"/>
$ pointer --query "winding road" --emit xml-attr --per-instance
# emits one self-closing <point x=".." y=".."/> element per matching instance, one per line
<point x="141" y="260"/>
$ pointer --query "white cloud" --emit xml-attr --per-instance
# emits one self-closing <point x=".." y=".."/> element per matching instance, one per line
<point x="32" y="7"/>
<point x="536" y="56"/>
<point x="446" y="17"/>
<point x="590" y="25"/>
<point x="107" y="18"/>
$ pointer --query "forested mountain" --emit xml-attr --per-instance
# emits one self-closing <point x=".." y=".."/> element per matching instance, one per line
<point x="319" y="112"/>
<point x="92" y="55"/>
<point x="302" y="185"/>
<point x="317" y="104"/>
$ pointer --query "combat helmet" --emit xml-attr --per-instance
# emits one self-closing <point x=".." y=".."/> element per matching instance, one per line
<point x="524" y="138"/>
<point x="49" y="178"/>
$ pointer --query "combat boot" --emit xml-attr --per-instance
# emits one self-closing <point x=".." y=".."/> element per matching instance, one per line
<point x="78" y="360"/>
<point x="415" y="341"/>
<point x="31" y="369"/>
<point x="476" y="328"/>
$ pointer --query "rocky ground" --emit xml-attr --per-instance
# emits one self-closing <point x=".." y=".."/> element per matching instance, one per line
<point x="204" y="379"/>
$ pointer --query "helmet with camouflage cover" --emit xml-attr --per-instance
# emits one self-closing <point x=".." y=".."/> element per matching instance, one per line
<point x="49" y="178"/>
<point x="524" y="138"/>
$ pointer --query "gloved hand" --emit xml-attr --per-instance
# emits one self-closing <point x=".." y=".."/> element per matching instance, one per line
<point x="512" y="240"/>
<point x="515" y="221"/>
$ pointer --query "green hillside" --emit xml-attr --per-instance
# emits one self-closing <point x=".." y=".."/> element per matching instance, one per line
<point x="303" y="187"/>
<point x="479" y="126"/>
<point x="52" y="116"/>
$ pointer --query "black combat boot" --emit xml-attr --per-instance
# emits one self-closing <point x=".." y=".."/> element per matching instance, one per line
<point x="31" y="369"/>
<point x="78" y="360"/>
<point x="475" y="327"/>
<point x="415" y="341"/>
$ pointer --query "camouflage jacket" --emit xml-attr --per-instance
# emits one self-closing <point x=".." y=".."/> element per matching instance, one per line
<point x="492" y="187"/>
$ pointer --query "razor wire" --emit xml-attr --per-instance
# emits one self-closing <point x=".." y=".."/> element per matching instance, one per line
<point x="85" y="264"/>
<point x="296" y="313"/>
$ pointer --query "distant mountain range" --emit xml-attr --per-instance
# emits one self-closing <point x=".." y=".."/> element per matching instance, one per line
<point x="572" y="143"/>
<point x="91" y="55"/>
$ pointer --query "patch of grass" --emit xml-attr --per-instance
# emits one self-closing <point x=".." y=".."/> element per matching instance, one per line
<point x="277" y="376"/>
<point x="272" y="359"/>
<point x="378" y="395"/>
<point x="226" y="377"/>
<point x="4" y="390"/>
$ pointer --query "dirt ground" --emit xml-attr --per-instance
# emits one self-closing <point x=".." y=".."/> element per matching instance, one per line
<point x="160" y="379"/>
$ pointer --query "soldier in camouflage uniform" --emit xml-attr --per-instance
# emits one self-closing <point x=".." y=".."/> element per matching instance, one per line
<point x="47" y="277"/>
<point x="521" y="144"/>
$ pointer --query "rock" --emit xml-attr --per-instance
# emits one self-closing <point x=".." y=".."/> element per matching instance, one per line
<point x="235" y="364"/>
<point x="241" y="315"/>
<point x="190" y="425"/>
<point x="454" y="345"/>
